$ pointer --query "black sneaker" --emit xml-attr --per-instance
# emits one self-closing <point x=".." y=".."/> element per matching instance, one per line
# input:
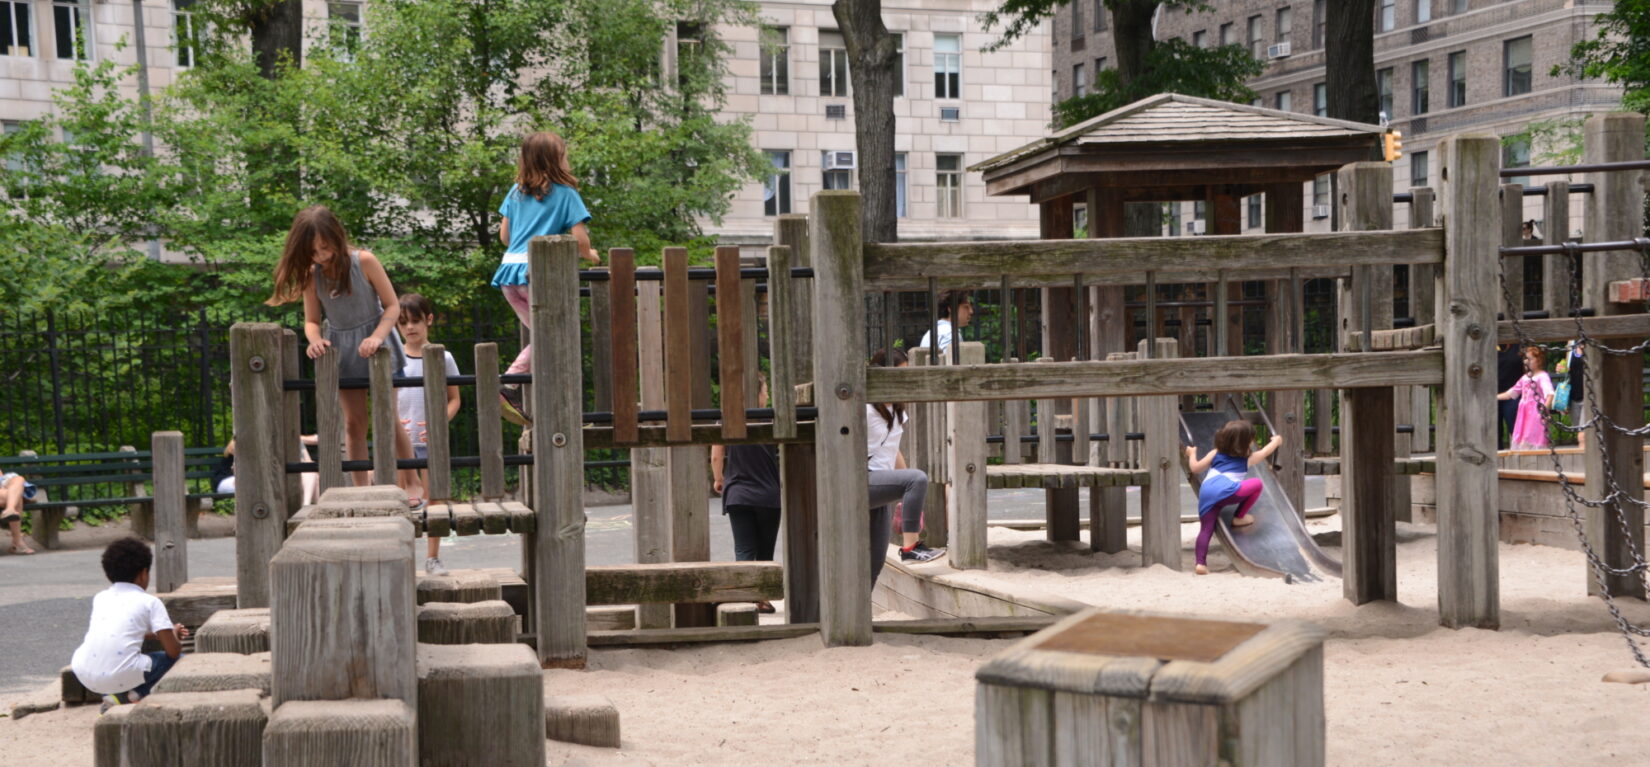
<point x="920" y="553"/>
<point x="510" y="398"/>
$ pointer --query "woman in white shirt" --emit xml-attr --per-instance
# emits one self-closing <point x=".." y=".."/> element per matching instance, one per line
<point x="891" y="481"/>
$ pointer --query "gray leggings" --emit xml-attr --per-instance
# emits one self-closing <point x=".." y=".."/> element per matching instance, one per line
<point x="887" y="486"/>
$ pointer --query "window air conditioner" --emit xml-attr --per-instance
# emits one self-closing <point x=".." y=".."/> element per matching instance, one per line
<point x="1277" y="51"/>
<point x="839" y="161"/>
<point x="1320" y="211"/>
<point x="1196" y="227"/>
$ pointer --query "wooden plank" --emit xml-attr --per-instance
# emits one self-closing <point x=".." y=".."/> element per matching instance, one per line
<point x="840" y="380"/>
<point x="558" y="454"/>
<point x="329" y="421"/>
<point x="700" y="635"/>
<point x="466" y="521"/>
<point x="1016" y="424"/>
<point x="1160" y="457"/>
<point x="489" y="430"/>
<point x="1124" y="255"/>
<point x="438" y="520"/>
<point x="292" y="427"/>
<point x="1154" y="377"/>
<point x="792" y="231"/>
<point x="260" y="481"/>
<point x="494" y="520"/>
<point x="1013" y="726"/>
<point x="439" y="487"/>
<point x="965" y="493"/>
<point x="783" y="335"/>
<point x="1468" y="523"/>
<point x="730" y="346"/>
<point x="1615" y="530"/>
<point x="684" y="582"/>
<point x="678" y="349"/>
<point x="649" y="476"/>
<point x="1368" y="537"/>
<point x="687" y="469"/>
<point x="1556" y="272"/>
<point x="801" y="529"/>
<point x="522" y="519"/>
<point x="1511" y="268"/>
<point x="621" y="288"/>
<point x="601" y="345"/>
<point x="750" y="335"/>
<point x="385" y="420"/>
<point x="171" y="568"/>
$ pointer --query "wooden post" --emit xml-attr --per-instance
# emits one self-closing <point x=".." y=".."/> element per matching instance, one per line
<point x="782" y="337"/>
<point x="260" y="481"/>
<point x="1161" y="458"/>
<point x="927" y="452"/>
<point x="678" y="348"/>
<point x="649" y="477"/>
<point x="1468" y="520"/>
<point x="1511" y="268"/>
<point x="385" y="420"/>
<point x="688" y="476"/>
<point x="329" y="422"/>
<point x="1556" y="272"/>
<point x="1423" y="306"/>
<point x="171" y="529"/>
<point x="839" y="394"/>
<point x="1109" y="524"/>
<point x="601" y="344"/>
<point x="558" y="452"/>
<point x="1284" y="329"/>
<point x="440" y="469"/>
<point x="1061" y="505"/>
<point x="622" y="301"/>
<point x="489" y="430"/>
<point x="730" y="347"/>
<point x="1614" y="381"/>
<point x="140" y="515"/>
<point x="797" y="463"/>
<point x="965" y="455"/>
<point x="292" y="429"/>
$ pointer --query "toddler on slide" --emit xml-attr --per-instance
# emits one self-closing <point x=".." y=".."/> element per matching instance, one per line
<point x="1228" y="482"/>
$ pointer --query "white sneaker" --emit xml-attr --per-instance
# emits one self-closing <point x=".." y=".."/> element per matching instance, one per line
<point x="433" y="566"/>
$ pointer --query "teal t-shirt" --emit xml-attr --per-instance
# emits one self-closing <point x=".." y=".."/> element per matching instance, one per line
<point x="559" y="211"/>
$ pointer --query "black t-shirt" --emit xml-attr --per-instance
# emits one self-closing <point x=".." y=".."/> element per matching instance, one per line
<point x="1578" y="377"/>
<point x="1509" y="367"/>
<point x="750" y="476"/>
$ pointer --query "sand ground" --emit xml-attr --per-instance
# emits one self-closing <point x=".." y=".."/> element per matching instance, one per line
<point x="1398" y="689"/>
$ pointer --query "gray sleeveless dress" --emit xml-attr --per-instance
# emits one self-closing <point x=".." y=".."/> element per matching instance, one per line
<point x="351" y="317"/>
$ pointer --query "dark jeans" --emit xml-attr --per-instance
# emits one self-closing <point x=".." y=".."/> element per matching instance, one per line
<point x="755" y="529"/>
<point x="1507" y="412"/>
<point x="162" y="664"/>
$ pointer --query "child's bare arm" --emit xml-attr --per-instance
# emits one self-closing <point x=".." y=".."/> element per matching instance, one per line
<point x="1199" y="465"/>
<point x="582" y="234"/>
<point x="1266" y="452"/>
<point x="504" y="233"/>
<point x="454" y="402"/>
<point x="169" y="640"/>
<point x="312" y="323"/>
<point x="380" y="281"/>
<point x="718" y="454"/>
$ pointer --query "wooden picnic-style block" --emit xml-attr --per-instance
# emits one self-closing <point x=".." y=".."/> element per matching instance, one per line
<point x="1128" y="689"/>
<point x="242" y="631"/>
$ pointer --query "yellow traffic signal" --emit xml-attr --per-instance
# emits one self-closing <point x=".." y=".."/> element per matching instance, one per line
<point x="1392" y="145"/>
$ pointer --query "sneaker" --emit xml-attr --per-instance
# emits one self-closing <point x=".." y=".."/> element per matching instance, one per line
<point x="510" y="398"/>
<point x="433" y="566"/>
<point x="920" y="553"/>
<point x="116" y="699"/>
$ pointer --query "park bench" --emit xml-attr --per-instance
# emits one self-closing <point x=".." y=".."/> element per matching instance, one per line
<point x="120" y="478"/>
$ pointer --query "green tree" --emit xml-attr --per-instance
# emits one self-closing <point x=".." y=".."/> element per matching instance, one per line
<point x="1619" y="53"/>
<point x="1172" y="66"/>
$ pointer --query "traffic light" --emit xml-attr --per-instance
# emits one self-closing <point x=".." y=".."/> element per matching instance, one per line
<point x="1392" y="146"/>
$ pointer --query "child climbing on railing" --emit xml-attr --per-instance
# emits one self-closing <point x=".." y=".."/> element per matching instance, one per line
<point x="349" y="291"/>
<point x="417" y="315"/>
<point x="1228" y="482"/>
<point x="1534" y="392"/>
<point x="891" y="481"/>
<point x="543" y="201"/>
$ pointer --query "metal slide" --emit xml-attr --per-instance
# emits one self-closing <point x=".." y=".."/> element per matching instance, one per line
<point x="1277" y="544"/>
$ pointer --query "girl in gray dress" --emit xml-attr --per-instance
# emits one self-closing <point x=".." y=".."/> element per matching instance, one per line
<point x="349" y="305"/>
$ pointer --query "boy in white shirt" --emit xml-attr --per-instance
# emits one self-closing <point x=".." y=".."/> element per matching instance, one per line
<point x="417" y="315"/>
<point x="955" y="310"/>
<point x="110" y="660"/>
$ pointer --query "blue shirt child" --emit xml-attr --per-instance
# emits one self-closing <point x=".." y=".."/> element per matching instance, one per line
<point x="559" y="211"/>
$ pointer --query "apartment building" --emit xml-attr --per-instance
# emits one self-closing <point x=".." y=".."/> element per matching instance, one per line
<point x="1442" y="67"/>
<point x="956" y="104"/>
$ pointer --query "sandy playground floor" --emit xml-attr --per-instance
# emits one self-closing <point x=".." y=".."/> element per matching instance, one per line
<point x="1399" y="690"/>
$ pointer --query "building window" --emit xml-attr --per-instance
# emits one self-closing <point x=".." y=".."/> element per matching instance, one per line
<point x="1418" y="169"/>
<point x="1054" y="84"/>
<point x="1386" y="18"/>
<point x="776" y="190"/>
<point x="947" y="66"/>
<point x="835" y="178"/>
<point x="14" y="163"/>
<point x="185" y="33"/>
<point x="1320" y="21"/>
<point x="1423" y="11"/>
<point x="344" y="25"/>
<point x="833" y="65"/>
<point x="1257" y="46"/>
<point x="1383" y="90"/>
<point x="1173" y="210"/>
<point x="1285" y="101"/>
<point x="899" y="65"/>
<point x="775" y="63"/>
<point x="1226" y="34"/>
<point x="1516" y="75"/>
<point x="1077" y="21"/>
<point x="1516" y="154"/>
<point x="1320" y="99"/>
<point x="1099" y="66"/>
<point x="1286" y="24"/>
<point x="73" y="25"/>
<point x="1100" y="14"/>
<point x="16" y="30"/>
<point x="1079" y="84"/>
<point x="1255" y="221"/>
<point x="1458" y="6"/>
<point x="948" y="180"/>
<point x="1458" y="79"/>
<point x="1320" y="196"/>
<point x="1200" y="38"/>
<point x="1419" y="74"/>
<point x="900" y="207"/>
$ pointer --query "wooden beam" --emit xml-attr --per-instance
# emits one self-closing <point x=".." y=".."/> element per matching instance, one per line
<point x="700" y="635"/>
<point x="1284" y="332"/>
<point x="440" y="471"/>
<point x="783" y="335"/>
<point x="1369" y="543"/>
<point x="797" y="462"/>
<point x="622" y="299"/>
<point x="386" y="422"/>
<point x="649" y="466"/>
<point x="1160" y="457"/>
<point x="683" y="582"/>
<point x="1556" y="271"/>
<point x="908" y="282"/>
<point x="730" y="346"/>
<point x="171" y="568"/>
<point x="1124" y="378"/>
<point x="260" y="478"/>
<point x="678" y="348"/>
<point x="1561" y="329"/>
<point x="1511" y="268"/>
<point x="965" y="492"/>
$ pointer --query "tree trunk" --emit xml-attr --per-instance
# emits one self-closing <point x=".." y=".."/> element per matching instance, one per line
<point x="1349" y="57"/>
<point x="871" y="75"/>
<point x="1132" y="22"/>
<point x="277" y="34"/>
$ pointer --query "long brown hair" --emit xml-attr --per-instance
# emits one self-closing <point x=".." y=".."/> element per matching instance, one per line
<point x="889" y="410"/>
<point x="294" y="271"/>
<point x="543" y="162"/>
<point x="1236" y="438"/>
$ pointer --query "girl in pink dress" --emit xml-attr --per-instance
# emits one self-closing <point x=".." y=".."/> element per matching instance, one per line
<point x="1534" y="392"/>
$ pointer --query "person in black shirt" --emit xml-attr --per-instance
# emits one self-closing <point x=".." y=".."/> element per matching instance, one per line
<point x="1509" y="366"/>
<point x="747" y="477"/>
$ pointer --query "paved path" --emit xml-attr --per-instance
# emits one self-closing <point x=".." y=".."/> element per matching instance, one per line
<point x="45" y="598"/>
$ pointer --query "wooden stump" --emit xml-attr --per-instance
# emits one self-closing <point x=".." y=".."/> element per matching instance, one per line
<point x="195" y="728"/>
<point x="467" y="690"/>
<point x="490" y="622"/>
<point x="341" y="733"/>
<point x="73" y="692"/>
<point x="107" y="735"/>
<point x="341" y="617"/>
<point x="216" y="672"/>
<point x="736" y="614"/>
<point x="463" y="587"/>
<point x="242" y="631"/>
<point x="589" y="720"/>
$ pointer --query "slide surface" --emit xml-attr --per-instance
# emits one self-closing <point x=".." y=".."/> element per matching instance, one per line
<point x="1277" y="544"/>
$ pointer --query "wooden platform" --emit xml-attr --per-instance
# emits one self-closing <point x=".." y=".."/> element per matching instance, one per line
<point x="1316" y="467"/>
<point x="934" y="590"/>
<point x="1054" y="476"/>
<point x="442" y="519"/>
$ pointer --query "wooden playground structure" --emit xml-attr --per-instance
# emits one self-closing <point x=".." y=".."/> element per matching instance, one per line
<point x="650" y="341"/>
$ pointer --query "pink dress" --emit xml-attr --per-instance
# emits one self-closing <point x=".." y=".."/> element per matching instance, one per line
<point x="1533" y="392"/>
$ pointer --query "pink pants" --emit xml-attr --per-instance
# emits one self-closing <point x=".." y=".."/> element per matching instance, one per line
<point x="520" y="301"/>
<point x="1244" y="498"/>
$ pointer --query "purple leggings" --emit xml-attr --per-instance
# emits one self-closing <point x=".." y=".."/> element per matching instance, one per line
<point x="1244" y="498"/>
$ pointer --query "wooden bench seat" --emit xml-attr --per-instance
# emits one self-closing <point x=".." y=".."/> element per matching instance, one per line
<point x="1054" y="476"/>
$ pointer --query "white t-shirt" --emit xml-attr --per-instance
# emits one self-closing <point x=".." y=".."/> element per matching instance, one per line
<point x="410" y="401"/>
<point x="110" y="659"/>
<point x="881" y="441"/>
<point x="945" y="336"/>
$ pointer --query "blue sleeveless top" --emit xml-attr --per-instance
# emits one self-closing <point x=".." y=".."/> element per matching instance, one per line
<point x="1225" y="473"/>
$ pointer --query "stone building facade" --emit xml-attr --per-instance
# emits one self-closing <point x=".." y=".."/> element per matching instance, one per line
<point x="1443" y="67"/>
